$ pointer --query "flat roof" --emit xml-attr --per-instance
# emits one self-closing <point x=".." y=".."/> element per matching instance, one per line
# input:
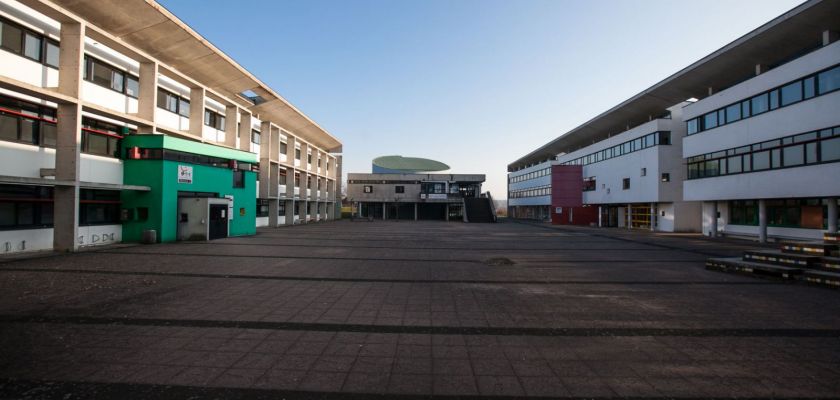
<point x="774" y="43"/>
<point x="150" y="27"/>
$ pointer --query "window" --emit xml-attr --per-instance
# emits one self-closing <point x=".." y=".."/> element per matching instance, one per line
<point x="283" y="148"/>
<point x="743" y="212"/>
<point x="793" y="155"/>
<point x="828" y="81"/>
<point x="101" y="138"/>
<point x="625" y="183"/>
<point x="589" y="184"/>
<point x="132" y="86"/>
<point x="25" y="207"/>
<point x="644" y="172"/>
<point x="666" y="177"/>
<point x="281" y="208"/>
<point x="710" y="120"/>
<point x="262" y="208"/>
<point x="282" y="176"/>
<point x="255" y="136"/>
<point x="108" y="76"/>
<point x="32" y="45"/>
<point x="759" y="104"/>
<point x="297" y="154"/>
<point x="173" y="103"/>
<point x="830" y="150"/>
<point x="52" y="51"/>
<point x="368" y="189"/>
<point x="399" y="189"/>
<point x="733" y="113"/>
<point x="309" y="158"/>
<point x="21" y="121"/>
<point x="12" y="37"/>
<point x="215" y="120"/>
<point x="238" y="179"/>
<point x="99" y="207"/>
<point x="791" y="93"/>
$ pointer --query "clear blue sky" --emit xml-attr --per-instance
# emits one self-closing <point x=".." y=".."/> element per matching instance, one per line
<point x="473" y="83"/>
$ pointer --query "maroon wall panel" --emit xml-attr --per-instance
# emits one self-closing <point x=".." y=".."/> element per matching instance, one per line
<point x="567" y="192"/>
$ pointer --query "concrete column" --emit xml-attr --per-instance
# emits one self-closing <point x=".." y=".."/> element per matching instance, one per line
<point x="415" y="211"/>
<point x="68" y="139"/>
<point x="714" y="227"/>
<point x="265" y="162"/>
<point x="273" y="210"/>
<point x="244" y="131"/>
<point x="304" y="200"/>
<point x="147" y="101"/>
<point x="629" y="217"/>
<point x="231" y="125"/>
<point x="290" y="212"/>
<point x="762" y="221"/>
<point x="653" y="216"/>
<point x="197" y="95"/>
<point x="832" y="215"/>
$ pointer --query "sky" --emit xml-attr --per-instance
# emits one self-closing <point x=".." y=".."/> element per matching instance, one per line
<point x="475" y="84"/>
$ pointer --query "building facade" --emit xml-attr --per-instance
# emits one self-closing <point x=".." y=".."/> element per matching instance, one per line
<point x="746" y="144"/>
<point x="108" y="128"/>
<point x="413" y="196"/>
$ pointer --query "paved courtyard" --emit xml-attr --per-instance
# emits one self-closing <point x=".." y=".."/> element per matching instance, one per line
<point x="407" y="310"/>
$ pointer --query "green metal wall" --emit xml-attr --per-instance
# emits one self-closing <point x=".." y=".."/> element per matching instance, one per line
<point x="162" y="177"/>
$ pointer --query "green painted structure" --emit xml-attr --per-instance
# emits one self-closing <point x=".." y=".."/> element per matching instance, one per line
<point x="158" y="209"/>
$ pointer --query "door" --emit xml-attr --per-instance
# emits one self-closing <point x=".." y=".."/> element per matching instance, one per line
<point x="218" y="221"/>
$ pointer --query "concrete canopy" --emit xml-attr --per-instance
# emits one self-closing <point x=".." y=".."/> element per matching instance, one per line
<point x="769" y="45"/>
<point x="150" y="27"/>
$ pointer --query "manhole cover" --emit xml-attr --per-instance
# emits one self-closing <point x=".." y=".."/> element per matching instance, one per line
<point x="499" y="261"/>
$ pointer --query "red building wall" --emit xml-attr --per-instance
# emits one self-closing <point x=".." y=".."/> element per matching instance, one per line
<point x="567" y="197"/>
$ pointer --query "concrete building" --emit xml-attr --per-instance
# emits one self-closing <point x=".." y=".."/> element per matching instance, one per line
<point x="115" y="116"/>
<point x="746" y="143"/>
<point x="410" y="192"/>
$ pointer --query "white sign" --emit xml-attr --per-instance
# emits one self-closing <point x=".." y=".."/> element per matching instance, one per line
<point x="185" y="174"/>
<point x="436" y="196"/>
<point x="558" y="210"/>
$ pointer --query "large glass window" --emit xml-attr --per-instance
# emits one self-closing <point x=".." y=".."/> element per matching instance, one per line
<point x="108" y="76"/>
<point x="759" y="104"/>
<point x="25" y="122"/>
<point x="829" y="80"/>
<point x="25" y="207"/>
<point x="791" y="93"/>
<point x="12" y="37"/>
<point x="214" y="119"/>
<point x="733" y="113"/>
<point x="744" y="212"/>
<point x="32" y="46"/>
<point x="794" y="155"/>
<point x="761" y="160"/>
<point x="693" y="126"/>
<point x="830" y="150"/>
<point x="99" y="207"/>
<point x="710" y="120"/>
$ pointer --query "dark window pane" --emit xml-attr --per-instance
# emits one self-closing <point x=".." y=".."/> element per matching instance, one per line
<point x="132" y="86"/>
<point x="794" y="155"/>
<point x="117" y="80"/>
<point x="183" y="107"/>
<point x="97" y="144"/>
<point x="776" y="158"/>
<point x="774" y="99"/>
<point x="52" y="54"/>
<point x="745" y="108"/>
<point x="791" y="93"/>
<point x="811" y="153"/>
<point x="733" y="113"/>
<point x="48" y="134"/>
<point x="827" y="81"/>
<point x="734" y="164"/>
<point x="32" y="46"/>
<point x="101" y="74"/>
<point x="809" y="87"/>
<point x="759" y="104"/>
<point x="28" y="130"/>
<point x="692" y="126"/>
<point x="8" y="127"/>
<point x="25" y="214"/>
<point x="171" y="103"/>
<point x="12" y="38"/>
<point x="761" y="160"/>
<point x="830" y="150"/>
<point x="710" y="120"/>
<point x="7" y="214"/>
<point x="161" y="99"/>
<point x="47" y="213"/>
<point x="208" y="118"/>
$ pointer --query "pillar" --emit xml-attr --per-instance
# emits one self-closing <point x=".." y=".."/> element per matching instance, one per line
<point x="600" y="217"/>
<point x="447" y="211"/>
<point x="147" y="101"/>
<point x="415" y="211"/>
<point x="832" y="215"/>
<point x="68" y="139"/>
<point x="762" y="221"/>
<point x="231" y="125"/>
<point x="629" y="217"/>
<point x="290" y="212"/>
<point x="197" y="112"/>
<point x="384" y="211"/>
<point x="273" y="210"/>
<point x="244" y="128"/>
<point x="713" y="230"/>
<point x="653" y="216"/>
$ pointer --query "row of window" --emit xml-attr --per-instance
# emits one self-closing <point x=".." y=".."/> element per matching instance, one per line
<point x="31" y="207"/>
<point x="530" y="175"/>
<point x="813" y="85"/>
<point x="788" y="213"/>
<point x="173" y="103"/>
<point x="29" y="123"/>
<point x="809" y="148"/>
<point x="30" y="44"/>
<point x="530" y="192"/>
<point x="188" y="158"/>
<point x="103" y="74"/>
<point x="644" y="142"/>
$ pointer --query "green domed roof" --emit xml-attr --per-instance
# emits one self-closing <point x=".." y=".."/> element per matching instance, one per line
<point x="408" y="164"/>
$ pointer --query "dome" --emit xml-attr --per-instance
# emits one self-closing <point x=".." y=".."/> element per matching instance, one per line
<point x="406" y="165"/>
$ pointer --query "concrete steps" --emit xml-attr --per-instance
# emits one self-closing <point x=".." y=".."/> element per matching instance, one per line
<point x="815" y="263"/>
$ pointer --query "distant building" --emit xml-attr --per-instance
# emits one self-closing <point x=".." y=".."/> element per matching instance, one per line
<point x="401" y="188"/>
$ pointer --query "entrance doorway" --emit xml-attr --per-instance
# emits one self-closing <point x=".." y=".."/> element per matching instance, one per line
<point x="218" y="227"/>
